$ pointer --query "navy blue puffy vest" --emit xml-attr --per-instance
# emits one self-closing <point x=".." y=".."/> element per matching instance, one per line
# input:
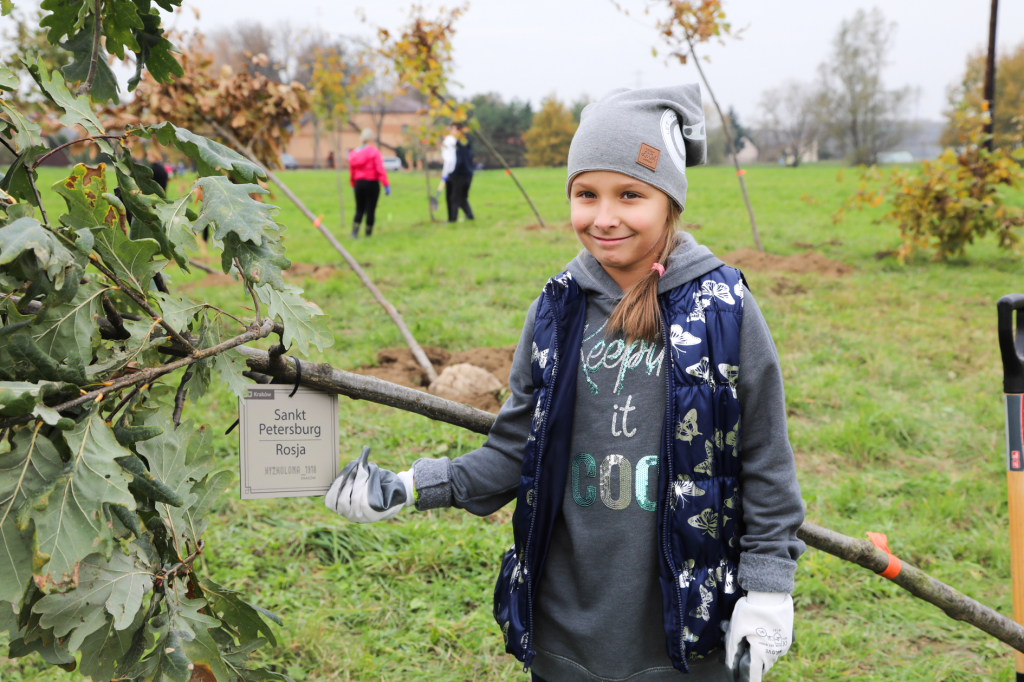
<point x="699" y="513"/>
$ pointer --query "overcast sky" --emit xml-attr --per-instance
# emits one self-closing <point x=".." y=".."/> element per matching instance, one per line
<point x="531" y="48"/>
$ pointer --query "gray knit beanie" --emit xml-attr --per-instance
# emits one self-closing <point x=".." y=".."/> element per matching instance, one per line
<point x="633" y="131"/>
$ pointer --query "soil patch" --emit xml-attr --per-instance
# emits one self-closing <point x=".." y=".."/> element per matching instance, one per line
<point x="398" y="366"/>
<point x="800" y="263"/>
<point x="321" y="273"/>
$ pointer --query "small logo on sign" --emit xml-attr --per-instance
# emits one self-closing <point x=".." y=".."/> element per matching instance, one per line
<point x="1015" y="460"/>
<point x="648" y="156"/>
<point x="261" y="394"/>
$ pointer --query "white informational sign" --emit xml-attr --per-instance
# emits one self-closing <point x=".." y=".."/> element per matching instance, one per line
<point x="288" y="447"/>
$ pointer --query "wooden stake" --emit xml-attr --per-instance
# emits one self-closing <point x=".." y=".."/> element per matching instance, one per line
<point x="1011" y="349"/>
<point x="392" y="312"/>
<point x="990" y="78"/>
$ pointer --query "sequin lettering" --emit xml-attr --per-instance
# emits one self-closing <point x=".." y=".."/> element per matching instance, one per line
<point x="583" y="458"/>
<point x="625" y="482"/>
<point x="626" y="409"/>
<point x="643" y="468"/>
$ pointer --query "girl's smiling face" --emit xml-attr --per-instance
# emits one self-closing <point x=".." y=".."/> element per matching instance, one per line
<point x="621" y="221"/>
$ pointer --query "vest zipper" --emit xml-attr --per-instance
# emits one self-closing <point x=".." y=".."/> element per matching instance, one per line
<point x="528" y="654"/>
<point x="670" y="467"/>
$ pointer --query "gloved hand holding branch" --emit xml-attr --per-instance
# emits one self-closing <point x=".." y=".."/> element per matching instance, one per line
<point x="365" y="493"/>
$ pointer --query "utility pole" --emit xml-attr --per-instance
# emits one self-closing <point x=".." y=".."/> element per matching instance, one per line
<point x="990" y="75"/>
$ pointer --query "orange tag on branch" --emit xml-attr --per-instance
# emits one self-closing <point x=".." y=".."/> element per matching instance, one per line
<point x="316" y="223"/>
<point x="741" y="171"/>
<point x="881" y="542"/>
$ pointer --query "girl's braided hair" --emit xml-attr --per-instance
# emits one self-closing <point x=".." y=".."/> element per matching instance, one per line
<point x="637" y="315"/>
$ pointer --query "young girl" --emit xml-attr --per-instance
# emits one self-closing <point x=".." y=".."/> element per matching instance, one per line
<point x="652" y="531"/>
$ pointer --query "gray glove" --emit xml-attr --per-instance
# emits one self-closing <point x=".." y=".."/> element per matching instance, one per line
<point x="365" y="493"/>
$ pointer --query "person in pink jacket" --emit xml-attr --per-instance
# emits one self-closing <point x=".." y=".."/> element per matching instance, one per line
<point x="366" y="173"/>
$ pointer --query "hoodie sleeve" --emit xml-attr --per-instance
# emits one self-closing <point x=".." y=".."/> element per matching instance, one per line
<point x="772" y="506"/>
<point x="485" y="480"/>
<point x="447" y="156"/>
<point x="351" y="169"/>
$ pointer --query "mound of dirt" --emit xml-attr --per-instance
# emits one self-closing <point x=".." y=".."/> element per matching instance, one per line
<point x="800" y="263"/>
<point x="398" y="366"/>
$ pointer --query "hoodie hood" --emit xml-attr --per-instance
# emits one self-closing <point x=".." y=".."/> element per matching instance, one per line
<point x="687" y="261"/>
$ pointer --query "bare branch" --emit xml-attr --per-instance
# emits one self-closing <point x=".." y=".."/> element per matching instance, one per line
<point x="861" y="552"/>
<point x="53" y="151"/>
<point x="202" y="266"/>
<point x="97" y="30"/>
<point x="955" y="604"/>
<point x="326" y="378"/>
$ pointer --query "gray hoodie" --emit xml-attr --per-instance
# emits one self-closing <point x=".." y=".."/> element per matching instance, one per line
<point x="598" y="613"/>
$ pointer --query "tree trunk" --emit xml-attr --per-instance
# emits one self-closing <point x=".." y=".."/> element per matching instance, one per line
<point x="316" y="140"/>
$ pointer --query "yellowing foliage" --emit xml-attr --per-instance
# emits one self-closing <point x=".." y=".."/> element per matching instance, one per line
<point x="1009" y="104"/>
<point x="421" y="58"/>
<point x="954" y="199"/>
<point x="335" y="85"/>
<point x="547" y="140"/>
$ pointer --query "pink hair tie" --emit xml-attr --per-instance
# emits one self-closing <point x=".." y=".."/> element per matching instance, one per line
<point x="660" y="268"/>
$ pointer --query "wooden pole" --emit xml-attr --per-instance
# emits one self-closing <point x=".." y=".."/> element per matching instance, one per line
<point x="990" y="76"/>
<point x="508" y="169"/>
<point x="732" y="148"/>
<point x="325" y="378"/>
<point x="392" y="312"/>
<point x="1011" y="348"/>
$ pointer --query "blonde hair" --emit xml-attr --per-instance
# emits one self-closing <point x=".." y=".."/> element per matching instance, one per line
<point x="366" y="135"/>
<point x="637" y="315"/>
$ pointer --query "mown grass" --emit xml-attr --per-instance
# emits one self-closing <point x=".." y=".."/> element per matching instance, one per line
<point x="894" y="400"/>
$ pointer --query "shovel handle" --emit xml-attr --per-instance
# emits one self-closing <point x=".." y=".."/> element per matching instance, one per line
<point x="1011" y="342"/>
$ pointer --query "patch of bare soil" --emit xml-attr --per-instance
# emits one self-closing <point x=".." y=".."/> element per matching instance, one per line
<point x="800" y="263"/>
<point x="321" y="273"/>
<point x="465" y="385"/>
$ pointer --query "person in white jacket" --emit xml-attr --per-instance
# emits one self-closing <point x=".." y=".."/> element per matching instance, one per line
<point x="456" y="172"/>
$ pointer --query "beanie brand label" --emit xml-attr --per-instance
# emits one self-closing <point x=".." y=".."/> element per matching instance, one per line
<point x="648" y="156"/>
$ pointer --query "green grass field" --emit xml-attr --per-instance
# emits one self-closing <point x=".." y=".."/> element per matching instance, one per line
<point x="894" y="399"/>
